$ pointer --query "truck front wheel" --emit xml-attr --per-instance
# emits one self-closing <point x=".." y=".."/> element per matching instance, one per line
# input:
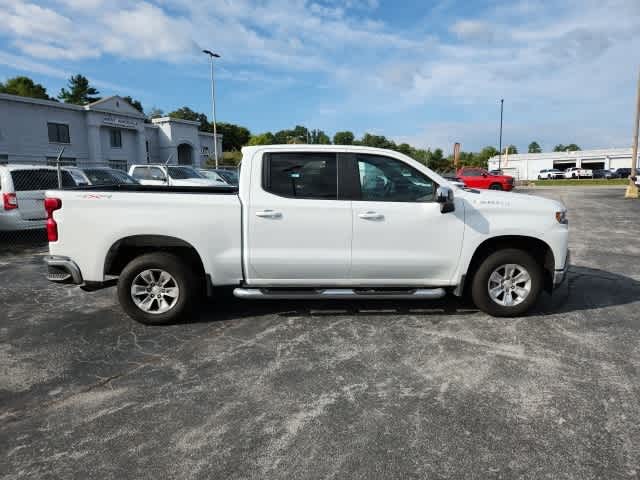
<point x="507" y="283"/>
<point x="157" y="288"/>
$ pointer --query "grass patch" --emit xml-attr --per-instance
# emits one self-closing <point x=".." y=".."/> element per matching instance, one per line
<point x="586" y="182"/>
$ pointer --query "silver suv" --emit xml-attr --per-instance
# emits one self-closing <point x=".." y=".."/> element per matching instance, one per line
<point x="22" y="190"/>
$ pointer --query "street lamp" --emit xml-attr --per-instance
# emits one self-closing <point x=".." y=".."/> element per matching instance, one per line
<point x="213" y="104"/>
<point x="500" y="141"/>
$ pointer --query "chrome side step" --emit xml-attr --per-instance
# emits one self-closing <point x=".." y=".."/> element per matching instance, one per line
<point x="338" y="293"/>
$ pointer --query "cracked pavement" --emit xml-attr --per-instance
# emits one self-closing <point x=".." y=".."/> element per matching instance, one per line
<point x="332" y="389"/>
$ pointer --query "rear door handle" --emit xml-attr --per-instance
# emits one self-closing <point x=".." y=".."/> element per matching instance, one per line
<point x="268" y="214"/>
<point x="371" y="216"/>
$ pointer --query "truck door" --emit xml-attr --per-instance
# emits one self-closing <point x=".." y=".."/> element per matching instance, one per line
<point x="298" y="232"/>
<point x="400" y="237"/>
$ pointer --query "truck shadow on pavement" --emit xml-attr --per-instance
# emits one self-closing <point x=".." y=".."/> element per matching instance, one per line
<point x="588" y="289"/>
<point x="585" y="289"/>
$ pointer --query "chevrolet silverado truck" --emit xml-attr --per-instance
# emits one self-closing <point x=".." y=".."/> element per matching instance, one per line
<point x="308" y="222"/>
<point x="479" y="178"/>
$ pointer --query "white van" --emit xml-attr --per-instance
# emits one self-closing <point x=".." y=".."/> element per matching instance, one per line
<point x="22" y="190"/>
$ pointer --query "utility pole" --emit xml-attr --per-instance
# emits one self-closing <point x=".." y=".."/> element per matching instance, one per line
<point x="500" y="144"/>
<point x="213" y="104"/>
<point x="632" y="189"/>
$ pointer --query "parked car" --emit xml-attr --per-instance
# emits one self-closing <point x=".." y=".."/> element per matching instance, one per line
<point x="213" y="175"/>
<point x="309" y="222"/>
<point x="550" y="173"/>
<point x="603" y="173"/>
<point x="576" y="172"/>
<point x="103" y="176"/>
<point x="454" y="180"/>
<point x="170" y="175"/>
<point x="621" y="172"/>
<point x="230" y="176"/>
<point x="22" y="190"/>
<point x="480" y="178"/>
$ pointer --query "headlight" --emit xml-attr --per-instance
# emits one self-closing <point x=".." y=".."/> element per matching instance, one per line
<point x="561" y="217"/>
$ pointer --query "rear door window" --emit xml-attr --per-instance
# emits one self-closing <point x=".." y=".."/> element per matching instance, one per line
<point x="301" y="175"/>
<point x="39" y="179"/>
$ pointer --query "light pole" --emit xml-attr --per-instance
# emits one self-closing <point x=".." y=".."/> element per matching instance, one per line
<point x="213" y="104"/>
<point x="500" y="141"/>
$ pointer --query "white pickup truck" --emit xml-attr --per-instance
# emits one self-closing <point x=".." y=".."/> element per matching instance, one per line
<point x="577" y="172"/>
<point x="308" y="222"/>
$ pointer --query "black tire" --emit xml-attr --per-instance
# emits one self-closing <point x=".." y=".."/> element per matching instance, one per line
<point x="480" y="283"/>
<point x="495" y="186"/>
<point x="185" y="279"/>
<point x="539" y="177"/>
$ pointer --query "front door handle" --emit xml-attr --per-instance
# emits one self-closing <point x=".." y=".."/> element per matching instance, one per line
<point x="268" y="214"/>
<point x="371" y="216"/>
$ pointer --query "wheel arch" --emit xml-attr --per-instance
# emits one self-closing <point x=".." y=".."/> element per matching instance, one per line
<point x="539" y="249"/>
<point x="128" y="248"/>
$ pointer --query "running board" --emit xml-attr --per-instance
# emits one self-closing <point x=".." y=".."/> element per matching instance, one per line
<point x="339" y="293"/>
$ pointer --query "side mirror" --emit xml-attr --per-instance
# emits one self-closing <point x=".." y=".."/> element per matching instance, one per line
<point x="484" y="174"/>
<point x="444" y="196"/>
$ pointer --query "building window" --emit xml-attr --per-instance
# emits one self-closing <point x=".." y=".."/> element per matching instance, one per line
<point x="4" y="158"/>
<point x="146" y="145"/>
<point x="118" y="164"/>
<point x="115" y="134"/>
<point x="64" y="161"/>
<point x="58" y="133"/>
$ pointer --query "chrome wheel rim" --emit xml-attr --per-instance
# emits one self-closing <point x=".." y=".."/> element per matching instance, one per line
<point x="509" y="285"/>
<point x="155" y="291"/>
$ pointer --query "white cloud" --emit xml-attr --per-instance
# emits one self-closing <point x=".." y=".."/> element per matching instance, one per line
<point x="567" y="57"/>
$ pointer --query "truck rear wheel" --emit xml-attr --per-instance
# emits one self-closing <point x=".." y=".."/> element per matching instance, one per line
<point x="157" y="289"/>
<point x="507" y="283"/>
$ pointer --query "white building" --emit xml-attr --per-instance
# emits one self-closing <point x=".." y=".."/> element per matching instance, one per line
<point x="107" y="132"/>
<point x="526" y="166"/>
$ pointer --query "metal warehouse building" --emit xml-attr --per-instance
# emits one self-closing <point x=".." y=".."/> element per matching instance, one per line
<point x="109" y="131"/>
<point x="526" y="166"/>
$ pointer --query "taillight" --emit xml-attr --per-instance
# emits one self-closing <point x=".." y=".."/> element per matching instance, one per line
<point x="51" y="205"/>
<point x="10" y="201"/>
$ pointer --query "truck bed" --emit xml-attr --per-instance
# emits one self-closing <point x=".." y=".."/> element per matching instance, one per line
<point x="92" y="220"/>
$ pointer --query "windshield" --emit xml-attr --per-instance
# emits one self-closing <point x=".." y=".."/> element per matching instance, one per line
<point x="183" y="173"/>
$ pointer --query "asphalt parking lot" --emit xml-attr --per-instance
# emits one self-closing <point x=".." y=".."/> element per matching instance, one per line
<point x="332" y="390"/>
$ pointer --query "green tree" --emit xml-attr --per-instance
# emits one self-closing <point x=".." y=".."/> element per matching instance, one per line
<point x="156" y="112"/>
<point x="511" y="149"/>
<point x="80" y="92"/>
<point x="438" y="162"/>
<point x="486" y="153"/>
<point x="534" y="147"/>
<point x="134" y="103"/>
<point x="24" y="87"/>
<point x="572" y="147"/>
<point x="185" y="113"/>
<point x="266" y="138"/>
<point x="318" y="137"/>
<point x="378" y="141"/>
<point x="344" y="138"/>
<point x="299" y="134"/>
<point x="234" y="137"/>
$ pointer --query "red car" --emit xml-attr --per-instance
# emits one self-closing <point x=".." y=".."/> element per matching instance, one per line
<point x="479" y="178"/>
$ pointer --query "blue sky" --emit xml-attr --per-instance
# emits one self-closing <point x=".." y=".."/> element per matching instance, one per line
<point x="426" y="72"/>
